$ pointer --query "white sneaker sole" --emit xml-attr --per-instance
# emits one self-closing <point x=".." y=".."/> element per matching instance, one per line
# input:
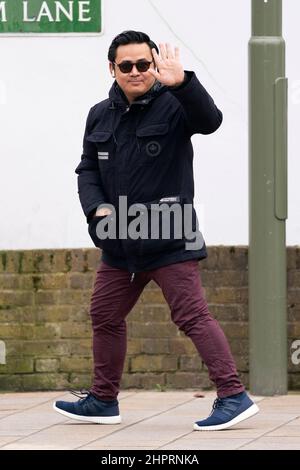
<point x="241" y="417"/>
<point x="91" y="419"/>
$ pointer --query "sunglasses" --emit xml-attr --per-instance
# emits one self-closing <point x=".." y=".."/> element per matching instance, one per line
<point x="127" y="66"/>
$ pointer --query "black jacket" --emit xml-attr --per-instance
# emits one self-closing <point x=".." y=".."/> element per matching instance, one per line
<point x="144" y="151"/>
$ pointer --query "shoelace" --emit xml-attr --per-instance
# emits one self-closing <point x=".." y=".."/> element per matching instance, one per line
<point x="217" y="403"/>
<point x="82" y="394"/>
<point x="226" y="405"/>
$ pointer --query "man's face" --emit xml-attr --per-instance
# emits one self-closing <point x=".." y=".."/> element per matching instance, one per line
<point x="134" y="83"/>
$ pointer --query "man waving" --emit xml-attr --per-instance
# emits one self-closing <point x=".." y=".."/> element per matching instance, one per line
<point x="137" y="146"/>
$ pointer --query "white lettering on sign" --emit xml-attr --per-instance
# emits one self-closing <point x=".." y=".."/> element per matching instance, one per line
<point x="45" y="12"/>
<point x="25" y="12"/>
<point x="60" y="8"/>
<point x="82" y="11"/>
<point x="3" y="11"/>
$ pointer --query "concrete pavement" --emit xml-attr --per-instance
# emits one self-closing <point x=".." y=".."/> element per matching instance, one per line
<point x="151" y="420"/>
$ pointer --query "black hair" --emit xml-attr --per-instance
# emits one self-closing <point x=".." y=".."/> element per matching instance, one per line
<point x="129" y="37"/>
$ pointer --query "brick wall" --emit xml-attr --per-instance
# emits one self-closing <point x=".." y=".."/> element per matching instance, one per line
<point x="45" y="326"/>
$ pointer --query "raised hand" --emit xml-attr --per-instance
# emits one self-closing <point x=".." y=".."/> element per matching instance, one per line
<point x="170" y="71"/>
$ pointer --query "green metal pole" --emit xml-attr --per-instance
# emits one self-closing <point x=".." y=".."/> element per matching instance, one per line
<point x="267" y="200"/>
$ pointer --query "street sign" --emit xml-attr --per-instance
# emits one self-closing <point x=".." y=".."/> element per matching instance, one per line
<point x="50" y="16"/>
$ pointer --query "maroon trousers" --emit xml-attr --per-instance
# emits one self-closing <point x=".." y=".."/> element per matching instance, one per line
<point x="113" y="298"/>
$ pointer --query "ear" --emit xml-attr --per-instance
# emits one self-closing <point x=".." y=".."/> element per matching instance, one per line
<point x="112" y="69"/>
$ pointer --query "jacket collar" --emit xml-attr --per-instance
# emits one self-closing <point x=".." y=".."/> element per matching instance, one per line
<point x="118" y="97"/>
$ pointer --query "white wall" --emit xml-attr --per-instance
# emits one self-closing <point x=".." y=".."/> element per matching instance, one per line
<point x="48" y="84"/>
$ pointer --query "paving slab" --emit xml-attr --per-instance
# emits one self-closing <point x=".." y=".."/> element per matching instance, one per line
<point x="151" y="420"/>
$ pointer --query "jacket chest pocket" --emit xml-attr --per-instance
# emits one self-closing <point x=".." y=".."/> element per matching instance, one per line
<point x="152" y="140"/>
<point x="104" y="143"/>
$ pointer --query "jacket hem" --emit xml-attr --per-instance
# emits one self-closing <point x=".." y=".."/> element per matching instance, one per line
<point x="159" y="262"/>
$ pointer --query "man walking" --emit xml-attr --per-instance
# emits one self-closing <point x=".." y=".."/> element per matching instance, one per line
<point x="137" y="146"/>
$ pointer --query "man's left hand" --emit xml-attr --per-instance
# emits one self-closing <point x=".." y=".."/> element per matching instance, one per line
<point x="170" y="71"/>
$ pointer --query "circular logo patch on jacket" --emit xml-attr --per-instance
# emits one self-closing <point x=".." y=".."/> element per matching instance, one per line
<point x="153" y="148"/>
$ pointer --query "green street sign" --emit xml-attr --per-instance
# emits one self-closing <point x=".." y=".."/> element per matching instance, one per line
<point x="50" y="16"/>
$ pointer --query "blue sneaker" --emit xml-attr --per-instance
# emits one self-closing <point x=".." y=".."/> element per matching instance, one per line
<point x="90" y="409"/>
<point x="227" y="412"/>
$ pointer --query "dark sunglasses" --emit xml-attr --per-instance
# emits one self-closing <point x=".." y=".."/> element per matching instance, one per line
<point x="127" y="66"/>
